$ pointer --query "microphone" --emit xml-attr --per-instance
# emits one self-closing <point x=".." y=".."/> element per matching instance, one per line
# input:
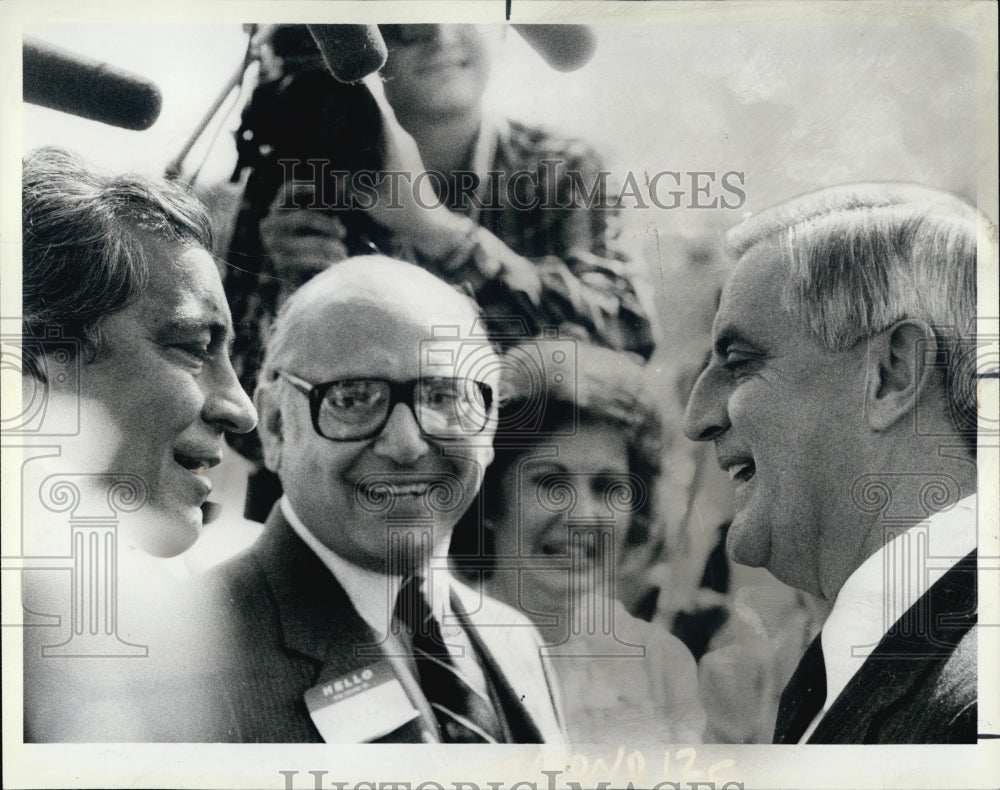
<point x="563" y="47"/>
<point x="75" y="84"/>
<point x="350" y="52"/>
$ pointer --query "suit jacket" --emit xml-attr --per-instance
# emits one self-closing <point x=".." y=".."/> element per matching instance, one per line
<point x="917" y="686"/>
<point x="290" y="626"/>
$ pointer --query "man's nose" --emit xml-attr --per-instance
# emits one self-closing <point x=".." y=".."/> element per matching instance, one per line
<point x="401" y="439"/>
<point x="707" y="412"/>
<point x="227" y="406"/>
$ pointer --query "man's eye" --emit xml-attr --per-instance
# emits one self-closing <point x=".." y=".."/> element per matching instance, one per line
<point x="349" y="401"/>
<point x="197" y="351"/>
<point x="354" y="396"/>
<point x="739" y="365"/>
<point x="440" y="397"/>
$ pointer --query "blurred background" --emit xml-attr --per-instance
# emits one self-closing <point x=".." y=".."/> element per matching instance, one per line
<point x="791" y="102"/>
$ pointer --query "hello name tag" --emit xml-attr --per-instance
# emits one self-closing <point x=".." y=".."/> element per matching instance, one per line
<point x="360" y="706"/>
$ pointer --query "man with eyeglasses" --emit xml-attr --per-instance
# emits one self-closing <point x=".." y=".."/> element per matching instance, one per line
<point x="516" y="213"/>
<point x="378" y="408"/>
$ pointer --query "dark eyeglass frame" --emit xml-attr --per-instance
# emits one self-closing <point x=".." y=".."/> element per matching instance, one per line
<point x="399" y="392"/>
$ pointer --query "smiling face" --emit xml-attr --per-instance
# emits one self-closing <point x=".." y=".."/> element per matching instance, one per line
<point x="787" y="419"/>
<point x="364" y="498"/>
<point x="161" y="391"/>
<point x="549" y="500"/>
<point x="437" y="69"/>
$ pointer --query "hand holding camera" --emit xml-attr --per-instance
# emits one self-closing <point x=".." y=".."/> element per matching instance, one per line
<point x="302" y="240"/>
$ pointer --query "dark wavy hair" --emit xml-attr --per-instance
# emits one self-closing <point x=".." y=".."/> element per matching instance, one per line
<point x="83" y="254"/>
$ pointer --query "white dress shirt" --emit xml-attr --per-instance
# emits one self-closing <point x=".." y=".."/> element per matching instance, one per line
<point x="373" y="596"/>
<point x="885" y="586"/>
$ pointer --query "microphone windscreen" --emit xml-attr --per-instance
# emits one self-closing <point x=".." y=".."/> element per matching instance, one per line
<point x="62" y="80"/>
<point x="563" y="47"/>
<point x="351" y="52"/>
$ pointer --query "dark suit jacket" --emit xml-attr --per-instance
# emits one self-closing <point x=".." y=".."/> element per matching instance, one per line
<point x="917" y="686"/>
<point x="290" y="626"/>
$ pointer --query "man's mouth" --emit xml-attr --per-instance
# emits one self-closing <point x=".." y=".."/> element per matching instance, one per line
<point x="385" y="488"/>
<point x="197" y="464"/>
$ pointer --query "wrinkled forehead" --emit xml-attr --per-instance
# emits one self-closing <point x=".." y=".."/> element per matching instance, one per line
<point x="758" y="273"/>
<point x="753" y="297"/>
<point x="183" y="279"/>
<point x="452" y="349"/>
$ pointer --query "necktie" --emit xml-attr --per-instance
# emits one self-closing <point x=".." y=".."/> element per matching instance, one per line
<point x="464" y="714"/>
<point x="803" y="697"/>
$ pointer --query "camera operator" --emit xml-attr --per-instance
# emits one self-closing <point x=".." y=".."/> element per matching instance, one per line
<point x="502" y="218"/>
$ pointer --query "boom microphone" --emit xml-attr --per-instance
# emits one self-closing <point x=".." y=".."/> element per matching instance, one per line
<point x="350" y="52"/>
<point x="563" y="47"/>
<point x="64" y="81"/>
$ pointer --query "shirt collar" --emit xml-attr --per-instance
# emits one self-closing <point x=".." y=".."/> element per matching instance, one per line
<point x="867" y="605"/>
<point x="373" y="594"/>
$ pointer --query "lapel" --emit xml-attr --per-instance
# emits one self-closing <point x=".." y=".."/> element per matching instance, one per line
<point x="319" y="624"/>
<point x="523" y="720"/>
<point x="803" y="697"/>
<point x="315" y="614"/>
<point x="894" y="673"/>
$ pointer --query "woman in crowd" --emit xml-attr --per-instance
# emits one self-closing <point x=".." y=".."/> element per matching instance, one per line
<point x="569" y="496"/>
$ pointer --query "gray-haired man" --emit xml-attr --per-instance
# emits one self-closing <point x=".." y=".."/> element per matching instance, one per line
<point x="840" y="396"/>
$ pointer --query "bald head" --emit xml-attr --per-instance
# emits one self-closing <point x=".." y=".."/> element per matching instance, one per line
<point x="386" y="346"/>
<point x="372" y="281"/>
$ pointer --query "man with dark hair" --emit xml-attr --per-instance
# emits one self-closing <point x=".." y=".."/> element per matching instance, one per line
<point x="118" y="268"/>
<point x="839" y="396"/>
<point x="378" y="406"/>
<point x="126" y="333"/>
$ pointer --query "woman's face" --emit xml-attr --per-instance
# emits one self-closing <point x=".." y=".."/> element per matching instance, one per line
<point x="564" y="512"/>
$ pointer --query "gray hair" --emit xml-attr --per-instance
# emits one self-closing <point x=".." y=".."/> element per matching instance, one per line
<point x="83" y="236"/>
<point x="863" y="256"/>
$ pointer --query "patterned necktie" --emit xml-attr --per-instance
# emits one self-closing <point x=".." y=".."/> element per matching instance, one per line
<point x="803" y="697"/>
<point x="465" y="714"/>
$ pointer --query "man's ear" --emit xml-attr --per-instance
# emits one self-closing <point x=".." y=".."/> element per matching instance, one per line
<point x="269" y="426"/>
<point x="897" y="375"/>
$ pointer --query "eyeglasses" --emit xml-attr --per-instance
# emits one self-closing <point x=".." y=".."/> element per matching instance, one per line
<point x="352" y="410"/>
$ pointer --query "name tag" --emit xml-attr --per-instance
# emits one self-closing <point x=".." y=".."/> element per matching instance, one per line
<point x="360" y="706"/>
